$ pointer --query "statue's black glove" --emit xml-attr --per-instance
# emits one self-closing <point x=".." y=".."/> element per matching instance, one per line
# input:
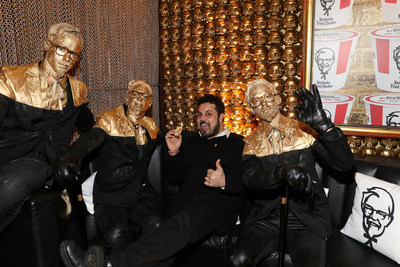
<point x="297" y="177"/>
<point x="67" y="170"/>
<point x="310" y="110"/>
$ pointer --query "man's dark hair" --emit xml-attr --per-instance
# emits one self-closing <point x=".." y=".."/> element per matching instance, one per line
<point x="212" y="99"/>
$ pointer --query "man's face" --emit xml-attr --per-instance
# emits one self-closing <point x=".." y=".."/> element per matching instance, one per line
<point x="208" y="121"/>
<point x="375" y="216"/>
<point x="62" y="64"/>
<point x="139" y="100"/>
<point x="265" y="103"/>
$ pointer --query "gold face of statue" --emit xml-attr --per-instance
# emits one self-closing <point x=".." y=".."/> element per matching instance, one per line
<point x="260" y="54"/>
<point x="248" y="9"/>
<point x="235" y="68"/>
<point x="260" y="22"/>
<point x="290" y="6"/>
<point x="234" y="9"/>
<point x="246" y="39"/>
<point x="275" y="7"/>
<point x="221" y="13"/>
<point x="246" y="24"/>
<point x="62" y="64"/>
<point x="275" y="37"/>
<point x="209" y="14"/>
<point x="275" y="70"/>
<point x="268" y="101"/>
<point x="247" y="69"/>
<point x="289" y="54"/>
<point x="138" y="101"/>
<point x="260" y="37"/>
<point x="175" y="34"/>
<point x="291" y="37"/>
<point x="209" y="43"/>
<point x="290" y="21"/>
<point x="260" y="6"/>
<point x="223" y="70"/>
<point x="189" y="71"/>
<point x="221" y="27"/>
<point x="209" y="57"/>
<point x="211" y="71"/>
<point x="187" y="58"/>
<point x="233" y="23"/>
<point x="274" y="22"/>
<point x="274" y="53"/>
<point x="210" y="28"/>
<point x="233" y="39"/>
<point x="290" y="69"/>
<point x="222" y="57"/>
<point x="234" y="54"/>
<point x="261" y="69"/>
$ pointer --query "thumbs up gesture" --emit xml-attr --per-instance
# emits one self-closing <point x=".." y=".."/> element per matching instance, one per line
<point x="215" y="178"/>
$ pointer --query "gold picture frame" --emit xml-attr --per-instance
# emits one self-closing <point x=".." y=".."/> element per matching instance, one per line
<point x="308" y="46"/>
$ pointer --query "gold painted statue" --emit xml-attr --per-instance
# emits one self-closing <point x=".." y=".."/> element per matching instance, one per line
<point x="125" y="140"/>
<point x="278" y="159"/>
<point x="40" y="105"/>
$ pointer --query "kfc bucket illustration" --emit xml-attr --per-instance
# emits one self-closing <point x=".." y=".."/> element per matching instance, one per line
<point x="337" y="106"/>
<point x="385" y="45"/>
<point x="333" y="51"/>
<point x="331" y="14"/>
<point x="391" y="10"/>
<point x="383" y="109"/>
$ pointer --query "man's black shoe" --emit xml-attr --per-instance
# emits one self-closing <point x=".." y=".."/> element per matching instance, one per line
<point x="71" y="254"/>
<point x="95" y="257"/>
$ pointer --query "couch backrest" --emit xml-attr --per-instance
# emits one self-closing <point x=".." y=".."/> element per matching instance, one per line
<point x="155" y="172"/>
<point x="342" y="185"/>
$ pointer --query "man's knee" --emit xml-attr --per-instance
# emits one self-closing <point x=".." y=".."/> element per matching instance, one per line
<point x="118" y="237"/>
<point x="240" y="258"/>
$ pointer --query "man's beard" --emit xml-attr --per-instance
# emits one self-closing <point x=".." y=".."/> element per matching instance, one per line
<point x="212" y="131"/>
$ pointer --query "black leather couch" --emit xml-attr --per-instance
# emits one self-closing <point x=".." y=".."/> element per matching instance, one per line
<point x="342" y="250"/>
<point x="33" y="239"/>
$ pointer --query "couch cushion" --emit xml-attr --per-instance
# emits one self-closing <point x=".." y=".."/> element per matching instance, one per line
<point x="344" y="251"/>
<point x="375" y="220"/>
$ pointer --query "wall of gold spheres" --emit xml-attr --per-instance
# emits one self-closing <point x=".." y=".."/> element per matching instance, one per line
<point x="219" y="46"/>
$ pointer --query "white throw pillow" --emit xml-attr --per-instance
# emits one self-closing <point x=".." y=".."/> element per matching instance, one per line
<point x="87" y="192"/>
<point x="375" y="217"/>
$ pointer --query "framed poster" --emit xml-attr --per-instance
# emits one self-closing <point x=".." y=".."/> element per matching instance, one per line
<point x="352" y="53"/>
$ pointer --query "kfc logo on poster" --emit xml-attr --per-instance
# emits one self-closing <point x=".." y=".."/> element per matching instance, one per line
<point x="327" y="6"/>
<point x="385" y="43"/>
<point x="396" y="57"/>
<point x="383" y="109"/>
<point x="324" y="57"/>
<point x="332" y="13"/>
<point x="377" y="206"/>
<point x="393" y="119"/>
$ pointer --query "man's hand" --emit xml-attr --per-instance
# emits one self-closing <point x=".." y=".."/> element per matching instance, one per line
<point x="310" y="110"/>
<point x="173" y="142"/>
<point x="215" y="178"/>
<point x="67" y="170"/>
<point x="297" y="177"/>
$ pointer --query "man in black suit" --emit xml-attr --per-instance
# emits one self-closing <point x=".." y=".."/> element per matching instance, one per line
<point x="207" y="167"/>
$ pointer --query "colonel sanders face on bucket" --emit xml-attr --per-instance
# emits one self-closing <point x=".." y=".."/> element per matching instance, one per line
<point x="377" y="207"/>
<point x="324" y="57"/>
<point x="327" y="5"/>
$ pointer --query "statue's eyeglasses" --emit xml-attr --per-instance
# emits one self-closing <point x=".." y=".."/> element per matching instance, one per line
<point x="256" y="101"/>
<point x="140" y="95"/>
<point x="62" y="51"/>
